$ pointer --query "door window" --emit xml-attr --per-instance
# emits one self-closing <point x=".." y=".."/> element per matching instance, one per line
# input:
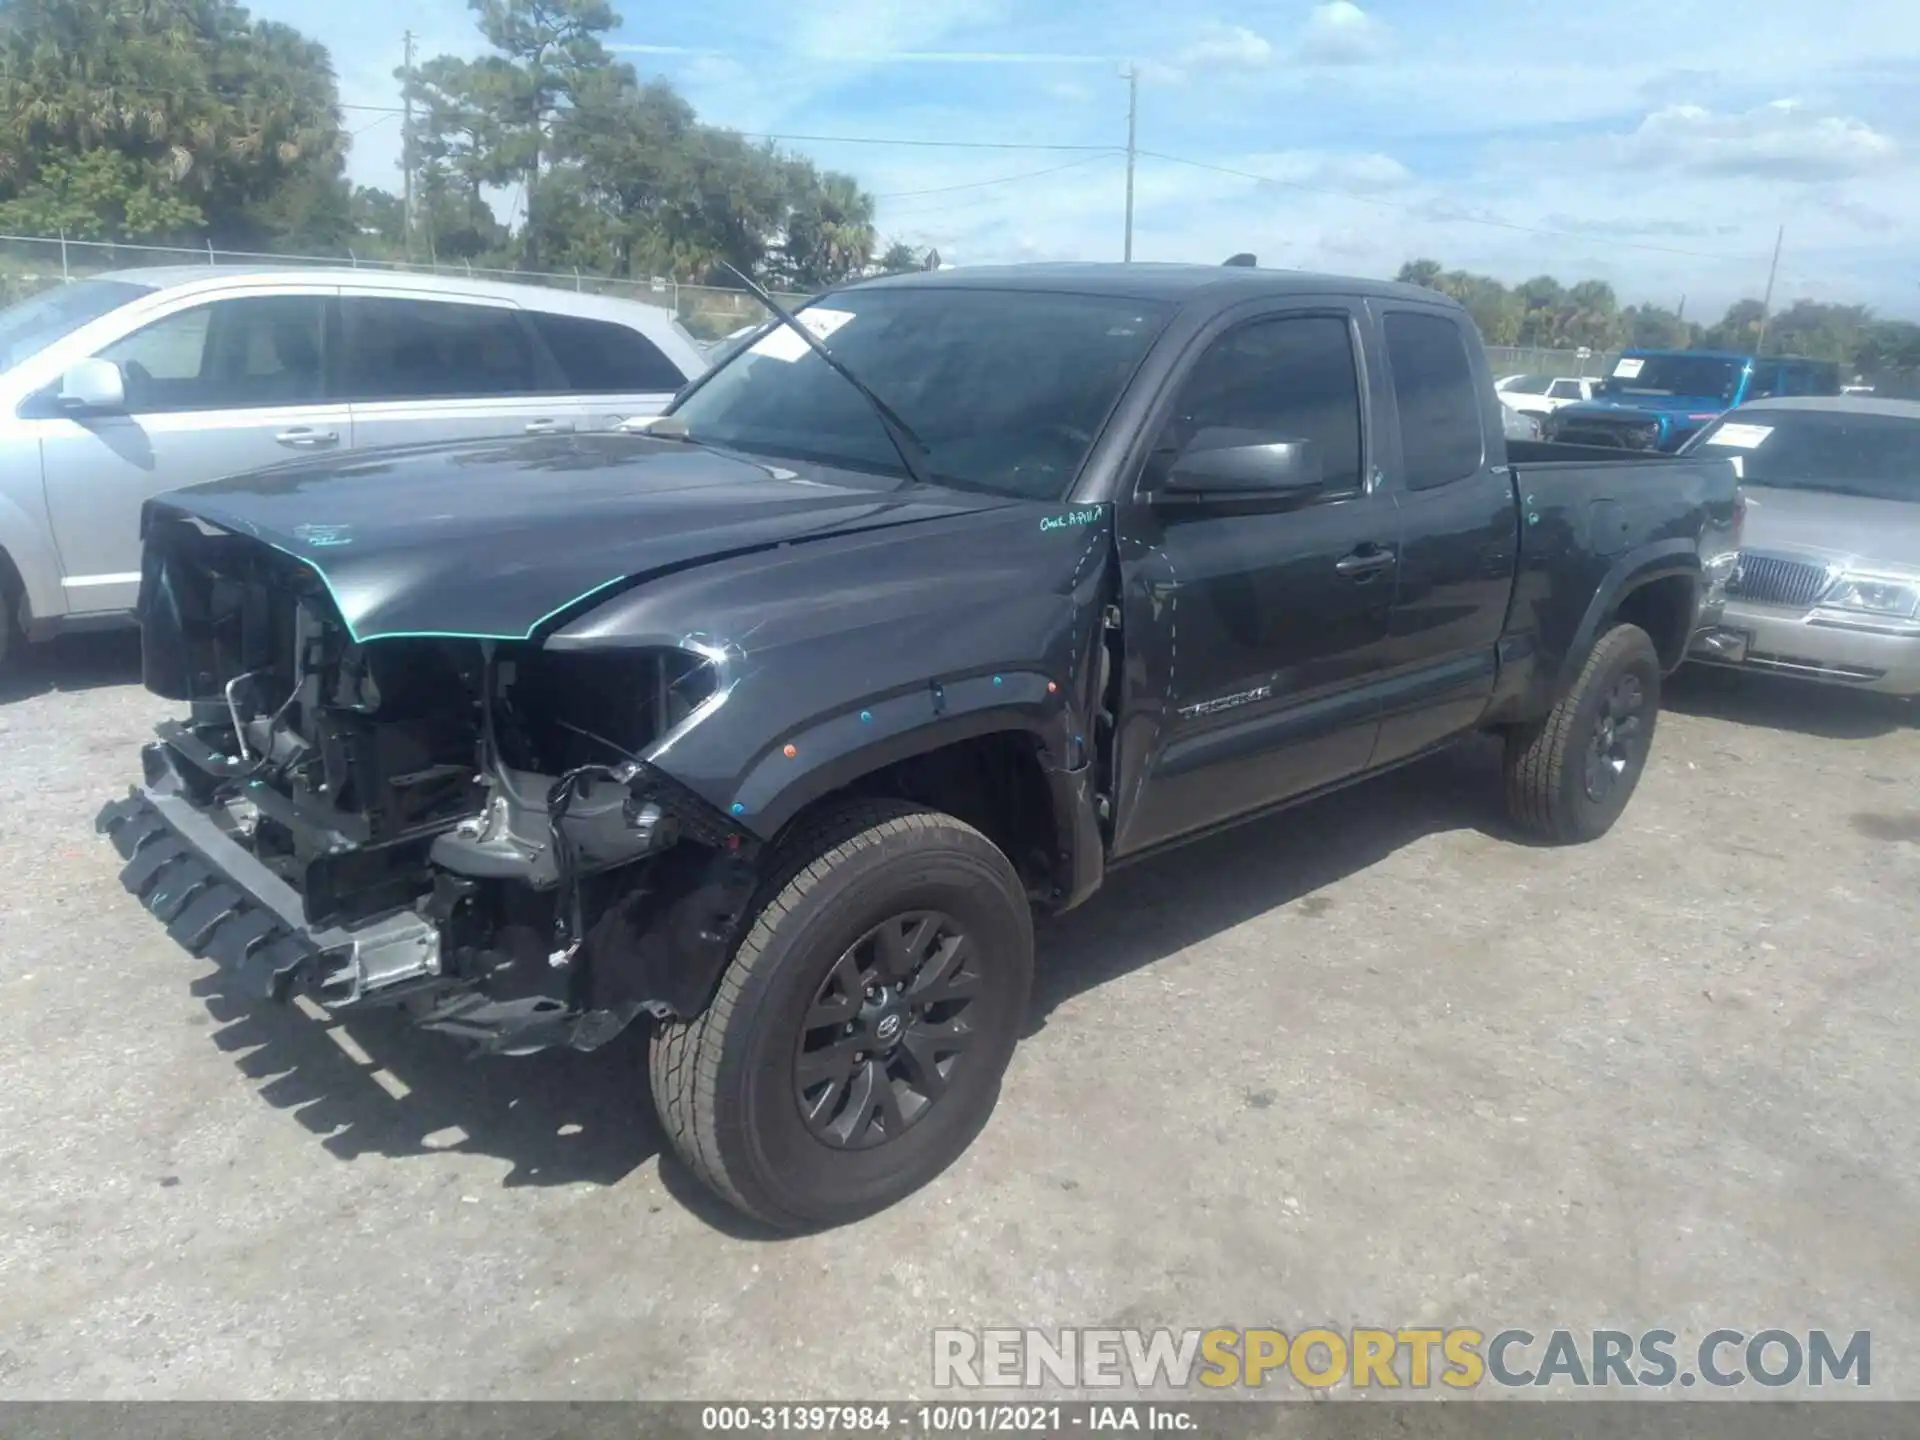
<point x="596" y="357"/>
<point x="1765" y="382"/>
<point x="260" y="351"/>
<point x="1438" y="402"/>
<point x="1291" y="378"/>
<point x="434" y="350"/>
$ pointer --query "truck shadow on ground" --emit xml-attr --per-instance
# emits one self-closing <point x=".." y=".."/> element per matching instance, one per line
<point x="373" y="1086"/>
<point x="1778" y="702"/>
<point x="71" y="664"/>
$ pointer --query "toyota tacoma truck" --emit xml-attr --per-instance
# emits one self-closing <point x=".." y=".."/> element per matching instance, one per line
<point x="773" y="725"/>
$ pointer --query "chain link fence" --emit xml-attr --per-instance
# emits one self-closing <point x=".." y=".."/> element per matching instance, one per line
<point x="30" y="263"/>
<point x="1526" y="360"/>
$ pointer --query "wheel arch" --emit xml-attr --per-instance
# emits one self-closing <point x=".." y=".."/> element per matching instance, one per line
<point x="1000" y="768"/>
<point x="1656" y="587"/>
<point x="29" y="567"/>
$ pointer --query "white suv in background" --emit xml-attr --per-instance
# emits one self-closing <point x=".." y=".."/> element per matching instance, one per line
<point x="1543" y="394"/>
<point x="122" y="387"/>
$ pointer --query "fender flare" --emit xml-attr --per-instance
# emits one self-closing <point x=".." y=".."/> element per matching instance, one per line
<point x="833" y="750"/>
<point x="27" y="546"/>
<point x="1660" y="560"/>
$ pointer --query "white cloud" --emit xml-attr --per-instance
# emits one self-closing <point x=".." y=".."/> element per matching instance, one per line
<point x="1781" y="141"/>
<point x="1230" y="47"/>
<point x="1341" y="33"/>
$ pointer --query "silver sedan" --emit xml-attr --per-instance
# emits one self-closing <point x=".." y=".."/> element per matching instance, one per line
<point x="1828" y="581"/>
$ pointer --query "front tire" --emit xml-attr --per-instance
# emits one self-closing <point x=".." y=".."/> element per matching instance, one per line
<point x="857" y="1041"/>
<point x="1570" y="776"/>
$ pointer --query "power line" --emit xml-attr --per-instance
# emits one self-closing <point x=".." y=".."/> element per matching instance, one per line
<point x="925" y="144"/>
<point x="1460" y="219"/>
<point x="1002" y="180"/>
<point x="973" y="202"/>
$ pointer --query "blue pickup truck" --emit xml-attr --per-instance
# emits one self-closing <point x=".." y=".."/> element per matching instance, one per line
<point x="1660" y="399"/>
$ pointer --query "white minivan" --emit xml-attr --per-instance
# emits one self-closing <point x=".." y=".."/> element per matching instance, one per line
<point x="121" y="387"/>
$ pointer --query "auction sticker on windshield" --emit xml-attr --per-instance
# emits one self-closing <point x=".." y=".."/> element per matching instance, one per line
<point x="783" y="344"/>
<point x="1629" y="368"/>
<point x="1741" y="437"/>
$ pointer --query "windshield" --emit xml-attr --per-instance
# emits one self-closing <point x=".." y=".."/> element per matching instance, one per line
<point x="1006" y="388"/>
<point x="36" y="322"/>
<point x="1705" y="375"/>
<point x="1871" y="455"/>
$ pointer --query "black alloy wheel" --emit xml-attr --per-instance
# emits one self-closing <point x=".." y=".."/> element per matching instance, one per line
<point x="1619" y="731"/>
<point x="1570" y="775"/>
<point x="857" y="1041"/>
<point x="886" y="1031"/>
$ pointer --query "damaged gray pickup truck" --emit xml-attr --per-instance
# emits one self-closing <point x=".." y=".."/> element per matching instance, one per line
<point x="772" y="727"/>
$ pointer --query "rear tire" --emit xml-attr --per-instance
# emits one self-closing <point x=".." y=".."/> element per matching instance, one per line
<point x="1570" y="776"/>
<point x="798" y="1096"/>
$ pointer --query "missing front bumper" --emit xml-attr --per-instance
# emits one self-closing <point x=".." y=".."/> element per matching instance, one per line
<point x="219" y="902"/>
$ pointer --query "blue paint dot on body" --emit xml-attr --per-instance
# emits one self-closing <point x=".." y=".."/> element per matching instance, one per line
<point x="738" y="808"/>
<point x="866" y="717"/>
<point x="996" y="680"/>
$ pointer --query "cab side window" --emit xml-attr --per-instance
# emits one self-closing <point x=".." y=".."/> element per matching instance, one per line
<point x="1290" y="378"/>
<point x="250" y="353"/>
<point x="1438" y="402"/>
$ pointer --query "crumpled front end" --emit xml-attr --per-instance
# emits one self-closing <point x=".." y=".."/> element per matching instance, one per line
<point x="467" y="828"/>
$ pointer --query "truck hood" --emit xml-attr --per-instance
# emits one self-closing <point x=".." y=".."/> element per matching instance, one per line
<point x="493" y="540"/>
<point x="1829" y="527"/>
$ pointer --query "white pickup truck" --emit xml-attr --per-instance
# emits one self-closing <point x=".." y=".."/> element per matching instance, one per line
<point x="1543" y="394"/>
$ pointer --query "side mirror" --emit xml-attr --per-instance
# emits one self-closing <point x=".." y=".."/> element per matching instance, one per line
<point x="93" y="385"/>
<point x="1240" y="463"/>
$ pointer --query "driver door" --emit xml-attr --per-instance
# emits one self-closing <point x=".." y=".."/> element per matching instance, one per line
<point x="212" y="389"/>
<point x="1260" y="626"/>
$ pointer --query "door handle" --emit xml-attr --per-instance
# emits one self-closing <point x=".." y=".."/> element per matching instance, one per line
<point x="301" y="438"/>
<point x="1367" y="562"/>
<point x="549" y="427"/>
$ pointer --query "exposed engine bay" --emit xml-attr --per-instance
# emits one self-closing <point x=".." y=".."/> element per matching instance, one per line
<point x="467" y="827"/>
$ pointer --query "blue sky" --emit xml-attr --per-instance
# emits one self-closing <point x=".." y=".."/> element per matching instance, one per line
<point x="1658" y="143"/>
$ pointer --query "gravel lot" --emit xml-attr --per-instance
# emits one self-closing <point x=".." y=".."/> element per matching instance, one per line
<point x="1369" y="1063"/>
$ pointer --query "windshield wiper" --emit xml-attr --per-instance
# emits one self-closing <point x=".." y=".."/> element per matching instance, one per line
<point x="898" y="431"/>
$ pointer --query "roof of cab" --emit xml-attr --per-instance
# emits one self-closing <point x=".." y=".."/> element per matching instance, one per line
<point x="1144" y="281"/>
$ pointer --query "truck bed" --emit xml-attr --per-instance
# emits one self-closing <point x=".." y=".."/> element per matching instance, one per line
<point x="1593" y="522"/>
<point x="1552" y="452"/>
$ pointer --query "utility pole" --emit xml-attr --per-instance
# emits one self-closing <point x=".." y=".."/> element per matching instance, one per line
<point x="406" y="145"/>
<point x="1766" y="305"/>
<point x="1133" y="114"/>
